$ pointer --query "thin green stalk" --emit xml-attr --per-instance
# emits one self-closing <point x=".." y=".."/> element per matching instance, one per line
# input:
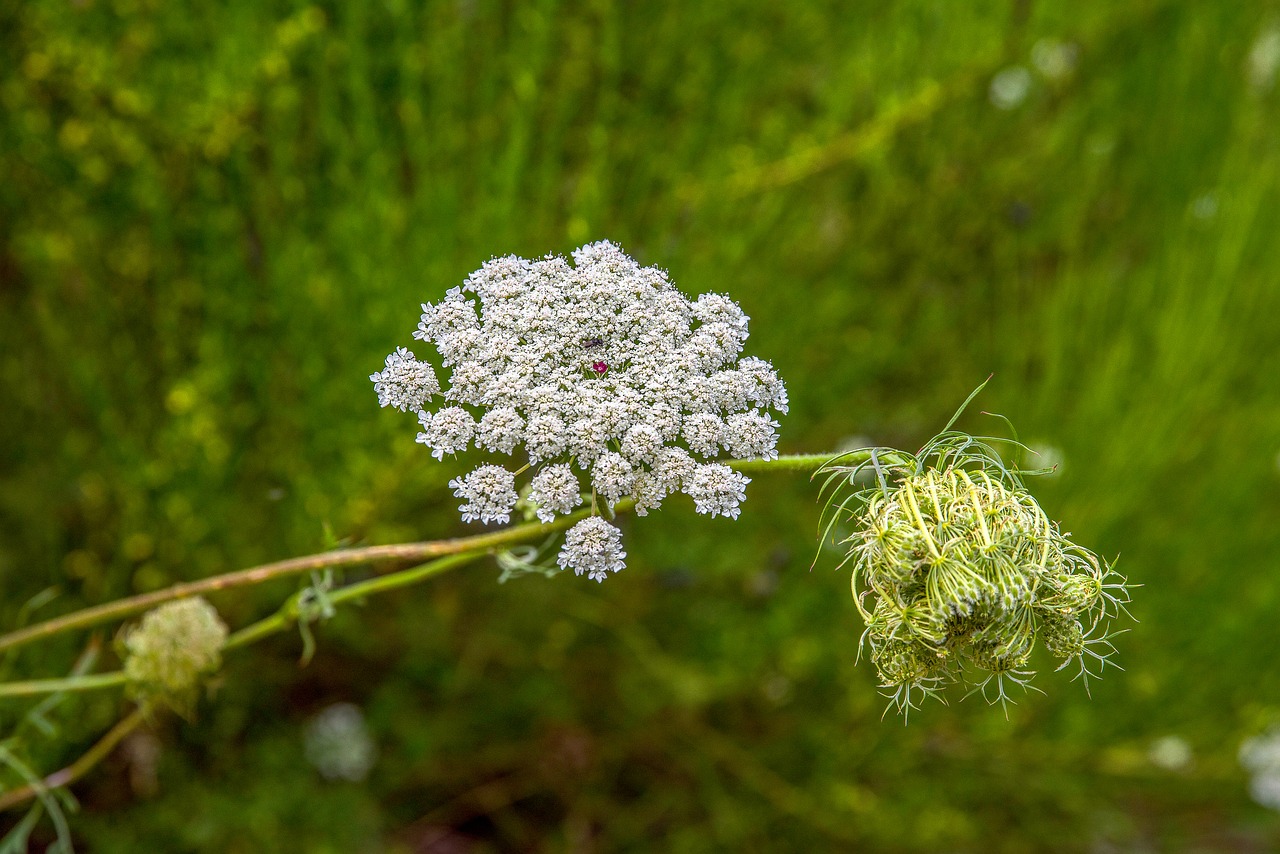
<point x="32" y="687"/>
<point x="281" y="620"/>
<point x="80" y="767"/>
<point x="402" y="553"/>
<point x="410" y="553"/>
<point x="791" y="462"/>
<point x="288" y="613"/>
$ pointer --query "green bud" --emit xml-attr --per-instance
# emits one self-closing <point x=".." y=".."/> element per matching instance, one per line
<point x="1063" y="636"/>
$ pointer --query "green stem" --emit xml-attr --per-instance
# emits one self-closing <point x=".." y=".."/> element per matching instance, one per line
<point x="288" y="613"/>
<point x="786" y="462"/>
<point x="33" y="687"/>
<point x="80" y="767"/>
<point x="405" y="553"/>
<point x="281" y="620"/>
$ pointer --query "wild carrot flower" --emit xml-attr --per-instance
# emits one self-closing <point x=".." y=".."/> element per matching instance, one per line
<point x="598" y="364"/>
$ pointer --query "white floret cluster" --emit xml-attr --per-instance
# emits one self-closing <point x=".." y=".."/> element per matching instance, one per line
<point x="600" y="364"/>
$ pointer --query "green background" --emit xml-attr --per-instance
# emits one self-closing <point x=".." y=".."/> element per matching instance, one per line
<point x="216" y="219"/>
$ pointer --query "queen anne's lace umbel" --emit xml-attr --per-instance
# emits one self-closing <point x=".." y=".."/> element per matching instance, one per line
<point x="600" y="364"/>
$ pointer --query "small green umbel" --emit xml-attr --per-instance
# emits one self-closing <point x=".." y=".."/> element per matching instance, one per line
<point x="958" y="572"/>
<point x="171" y="652"/>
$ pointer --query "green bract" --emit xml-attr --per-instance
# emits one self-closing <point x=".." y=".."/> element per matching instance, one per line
<point x="958" y="572"/>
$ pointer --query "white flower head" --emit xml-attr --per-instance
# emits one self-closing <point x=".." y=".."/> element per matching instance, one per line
<point x="596" y="363"/>
<point x="703" y="432"/>
<point x="717" y="490"/>
<point x="490" y="492"/>
<point x="642" y="444"/>
<point x="447" y="431"/>
<point x="648" y="492"/>
<point x="338" y="743"/>
<point x="673" y="467"/>
<point x="405" y="383"/>
<point x="593" y="548"/>
<point x="500" y="430"/>
<point x="171" y="651"/>
<point x="555" y="489"/>
<point x="612" y="476"/>
<point x="752" y="435"/>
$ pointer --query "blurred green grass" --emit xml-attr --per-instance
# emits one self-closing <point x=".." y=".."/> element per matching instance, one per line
<point x="215" y="221"/>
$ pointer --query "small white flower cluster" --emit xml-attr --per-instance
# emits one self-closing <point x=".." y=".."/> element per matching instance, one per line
<point x="1260" y="756"/>
<point x="405" y="383"/>
<point x="338" y="743"/>
<point x="601" y="364"/>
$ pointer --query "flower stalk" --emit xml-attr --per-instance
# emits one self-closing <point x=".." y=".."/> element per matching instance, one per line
<point x="402" y="553"/>
<point x="455" y="554"/>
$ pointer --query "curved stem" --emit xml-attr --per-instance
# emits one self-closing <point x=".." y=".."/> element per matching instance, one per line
<point x="456" y="553"/>
<point x="409" y="553"/>
<point x="277" y="622"/>
<point x="402" y="553"/>
<point x="281" y="620"/>
<point x="80" y="767"/>
<point x="288" y="613"/>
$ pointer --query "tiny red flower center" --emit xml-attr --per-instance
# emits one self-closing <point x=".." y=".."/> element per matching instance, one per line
<point x="599" y="367"/>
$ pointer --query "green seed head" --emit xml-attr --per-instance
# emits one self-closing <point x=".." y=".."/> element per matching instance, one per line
<point x="171" y="651"/>
<point x="958" y="571"/>
<point x="1063" y="636"/>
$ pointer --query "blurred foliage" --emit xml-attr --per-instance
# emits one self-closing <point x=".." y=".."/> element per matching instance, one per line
<point x="215" y="219"/>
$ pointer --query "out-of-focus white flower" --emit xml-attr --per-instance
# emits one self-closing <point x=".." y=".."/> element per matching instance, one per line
<point x="1055" y="59"/>
<point x="338" y="744"/>
<point x="1260" y="756"/>
<point x="1010" y="87"/>
<point x="1171" y="753"/>
<point x="172" y="650"/>
<point x="600" y="364"/>
<point x="1264" y="58"/>
<point x="1265" y="790"/>
<point x="1205" y="206"/>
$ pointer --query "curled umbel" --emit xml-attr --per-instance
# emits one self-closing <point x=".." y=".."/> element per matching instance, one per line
<point x="958" y="572"/>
